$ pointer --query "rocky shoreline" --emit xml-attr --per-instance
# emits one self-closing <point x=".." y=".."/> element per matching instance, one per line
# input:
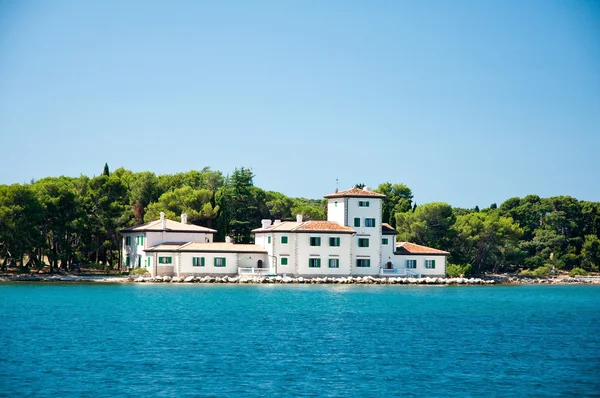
<point x="365" y="280"/>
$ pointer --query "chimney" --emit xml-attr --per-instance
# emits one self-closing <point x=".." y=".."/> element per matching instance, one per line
<point x="367" y="189"/>
<point x="162" y="218"/>
<point x="298" y="217"/>
<point x="183" y="218"/>
<point x="265" y="223"/>
<point x="277" y="222"/>
<point x="228" y="239"/>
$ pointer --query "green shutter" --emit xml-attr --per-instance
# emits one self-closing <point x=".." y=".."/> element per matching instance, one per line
<point x="202" y="261"/>
<point x="268" y="239"/>
<point x="356" y="222"/>
<point x="318" y="263"/>
<point x="284" y="261"/>
<point x="284" y="239"/>
<point x="127" y="261"/>
<point x="432" y="263"/>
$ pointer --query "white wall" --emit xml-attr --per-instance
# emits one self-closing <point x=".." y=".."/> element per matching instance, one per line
<point x="373" y="252"/>
<point x="155" y="238"/>
<point x="399" y="262"/>
<point x="336" y="210"/>
<point x="324" y="252"/>
<point x="387" y="251"/>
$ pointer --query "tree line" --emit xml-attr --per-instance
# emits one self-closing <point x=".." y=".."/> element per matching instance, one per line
<point x="63" y="221"/>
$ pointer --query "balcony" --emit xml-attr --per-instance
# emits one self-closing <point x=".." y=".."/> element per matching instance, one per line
<point x="399" y="272"/>
<point x="255" y="271"/>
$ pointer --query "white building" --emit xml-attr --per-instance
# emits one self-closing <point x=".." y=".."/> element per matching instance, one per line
<point x="353" y="241"/>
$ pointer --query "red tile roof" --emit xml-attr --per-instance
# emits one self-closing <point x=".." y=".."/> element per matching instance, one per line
<point x="325" y="226"/>
<point x="356" y="193"/>
<point x="413" y="248"/>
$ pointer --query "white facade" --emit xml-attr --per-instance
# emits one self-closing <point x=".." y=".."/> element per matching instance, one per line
<point x="352" y="242"/>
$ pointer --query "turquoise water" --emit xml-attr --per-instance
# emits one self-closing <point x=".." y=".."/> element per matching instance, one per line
<point x="178" y="340"/>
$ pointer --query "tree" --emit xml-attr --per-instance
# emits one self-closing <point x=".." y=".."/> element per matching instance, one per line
<point x="591" y="252"/>
<point x="398" y="199"/>
<point x="20" y="218"/>
<point x="240" y="204"/>
<point x="484" y="239"/>
<point x="359" y="185"/>
<point x="430" y="225"/>
<point x="106" y="171"/>
<point x="196" y="203"/>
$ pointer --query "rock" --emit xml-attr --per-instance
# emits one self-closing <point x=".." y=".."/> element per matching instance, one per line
<point x="167" y="278"/>
<point x="189" y="279"/>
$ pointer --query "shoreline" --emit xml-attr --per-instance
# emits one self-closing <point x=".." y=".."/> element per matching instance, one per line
<point x="365" y="280"/>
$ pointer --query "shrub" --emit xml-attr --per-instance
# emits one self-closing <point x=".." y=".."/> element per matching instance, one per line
<point x="538" y="272"/>
<point x="577" y="272"/>
<point x="456" y="270"/>
<point x="139" y="271"/>
<point x="542" y="271"/>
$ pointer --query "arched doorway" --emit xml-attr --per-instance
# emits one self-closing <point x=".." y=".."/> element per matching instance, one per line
<point x="259" y="264"/>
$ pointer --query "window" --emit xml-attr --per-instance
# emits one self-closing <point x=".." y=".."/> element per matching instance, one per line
<point x="356" y="222"/>
<point x="334" y="241"/>
<point x="139" y="240"/>
<point x="315" y="241"/>
<point x="430" y="264"/>
<point x="369" y="222"/>
<point x="411" y="264"/>
<point x="149" y="262"/>
<point x="197" y="261"/>
<point x="165" y="260"/>
<point x="220" y="261"/>
<point x="363" y="262"/>
<point x="268" y="239"/>
<point x="139" y="261"/>
<point x="314" y="263"/>
<point x="335" y="204"/>
<point x="127" y="261"/>
<point x="363" y="242"/>
<point x="284" y="261"/>
<point x="334" y="263"/>
<point x="128" y="241"/>
<point x="284" y="240"/>
<point x="384" y="241"/>
<point x="363" y="203"/>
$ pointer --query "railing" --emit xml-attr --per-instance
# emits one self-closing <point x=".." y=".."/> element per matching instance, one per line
<point x="398" y="272"/>
<point x="254" y="271"/>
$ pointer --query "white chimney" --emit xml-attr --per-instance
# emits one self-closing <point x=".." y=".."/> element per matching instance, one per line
<point x="265" y="223"/>
<point x="164" y="221"/>
<point x="277" y="222"/>
<point x="298" y="217"/>
<point x="368" y="189"/>
<point x="228" y="239"/>
<point x="183" y="218"/>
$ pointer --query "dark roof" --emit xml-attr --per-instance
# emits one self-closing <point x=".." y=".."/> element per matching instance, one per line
<point x="387" y="229"/>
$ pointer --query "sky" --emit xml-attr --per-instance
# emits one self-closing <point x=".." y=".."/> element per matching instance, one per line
<point x="465" y="102"/>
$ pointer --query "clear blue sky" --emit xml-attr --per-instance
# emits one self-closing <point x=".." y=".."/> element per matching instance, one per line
<point x="466" y="102"/>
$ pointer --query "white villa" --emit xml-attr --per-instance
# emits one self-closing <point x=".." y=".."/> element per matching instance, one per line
<point x="353" y="241"/>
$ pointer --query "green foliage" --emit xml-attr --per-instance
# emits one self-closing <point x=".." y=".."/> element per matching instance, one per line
<point x="65" y="220"/>
<point x="591" y="252"/>
<point x="139" y="271"/>
<point x="398" y="199"/>
<point x="484" y="239"/>
<point x="456" y="270"/>
<point x="430" y="225"/>
<point x="578" y="272"/>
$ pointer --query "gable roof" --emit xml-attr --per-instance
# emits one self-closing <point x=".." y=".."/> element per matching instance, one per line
<point x="387" y="229"/>
<point x="172" y="226"/>
<point x="355" y="193"/>
<point x="201" y="247"/>
<point x="413" y="248"/>
<point x="306" y="226"/>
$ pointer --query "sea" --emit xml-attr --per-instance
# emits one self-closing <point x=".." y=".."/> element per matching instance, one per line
<point x="176" y="340"/>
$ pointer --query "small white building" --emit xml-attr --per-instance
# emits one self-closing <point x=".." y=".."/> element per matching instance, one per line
<point x="352" y="242"/>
